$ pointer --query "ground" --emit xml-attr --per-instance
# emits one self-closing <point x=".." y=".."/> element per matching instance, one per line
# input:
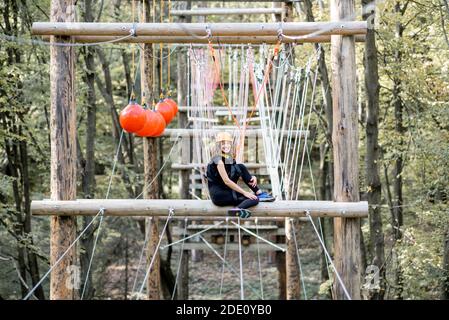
<point x="205" y="275"/>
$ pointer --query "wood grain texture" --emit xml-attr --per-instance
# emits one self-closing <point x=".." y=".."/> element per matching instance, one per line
<point x="151" y="185"/>
<point x="203" y="208"/>
<point x="345" y="141"/>
<point x="63" y="155"/>
<point x="198" y="29"/>
<point x="292" y="266"/>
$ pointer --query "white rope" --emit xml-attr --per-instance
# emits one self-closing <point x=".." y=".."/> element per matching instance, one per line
<point x="258" y="260"/>
<point x="301" y="275"/>
<point x="227" y="263"/>
<point x="147" y="237"/>
<point x="102" y="216"/>
<point x="329" y="257"/>
<point x="191" y="236"/>
<point x="316" y="198"/>
<point x="162" y="167"/>
<point x="224" y="257"/>
<point x="59" y="44"/>
<point x="242" y="291"/>
<point x="306" y="137"/>
<point x="259" y="237"/>
<point x="101" y="211"/>
<point x="155" y="253"/>
<point x="180" y="260"/>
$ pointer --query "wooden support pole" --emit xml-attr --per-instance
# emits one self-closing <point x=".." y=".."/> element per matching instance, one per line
<point x="291" y="261"/>
<point x="190" y="166"/>
<point x="214" y="39"/>
<point x="151" y="185"/>
<point x="225" y="11"/>
<point x="194" y="30"/>
<point x="63" y="156"/>
<point x="185" y="146"/>
<point x="261" y="247"/>
<point x="204" y="208"/>
<point x="185" y="151"/>
<point x="345" y="140"/>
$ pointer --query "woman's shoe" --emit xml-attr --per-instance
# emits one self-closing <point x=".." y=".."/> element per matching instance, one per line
<point x="237" y="212"/>
<point x="265" y="197"/>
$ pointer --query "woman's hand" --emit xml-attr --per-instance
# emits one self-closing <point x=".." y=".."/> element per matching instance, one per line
<point x="253" y="182"/>
<point x="250" y="195"/>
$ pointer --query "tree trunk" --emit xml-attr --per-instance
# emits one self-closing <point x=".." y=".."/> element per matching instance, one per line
<point x="125" y="295"/>
<point x="446" y="266"/>
<point x="374" y="187"/>
<point x="88" y="174"/>
<point x="150" y="150"/>
<point x="17" y="165"/>
<point x="32" y="258"/>
<point x="106" y="91"/>
<point x="397" y="219"/>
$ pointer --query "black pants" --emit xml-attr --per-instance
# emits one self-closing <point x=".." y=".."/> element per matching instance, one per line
<point x="225" y="196"/>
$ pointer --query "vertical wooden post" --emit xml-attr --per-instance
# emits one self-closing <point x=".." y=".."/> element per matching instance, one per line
<point x="185" y="146"/>
<point x="150" y="147"/>
<point x="63" y="154"/>
<point x="291" y="261"/>
<point x="186" y="149"/>
<point x="345" y="139"/>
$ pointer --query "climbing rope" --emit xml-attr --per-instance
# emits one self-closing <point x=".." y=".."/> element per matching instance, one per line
<point x="258" y="260"/>
<point x="171" y="213"/>
<point x="230" y="267"/>
<point x="180" y="260"/>
<point x="329" y="257"/>
<point x="301" y="275"/>
<point x="100" y="212"/>
<point x="242" y="290"/>
<point x="191" y="236"/>
<point x="258" y="237"/>
<point x="225" y="251"/>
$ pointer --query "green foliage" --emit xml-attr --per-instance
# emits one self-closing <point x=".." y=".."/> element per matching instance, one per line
<point x="415" y="63"/>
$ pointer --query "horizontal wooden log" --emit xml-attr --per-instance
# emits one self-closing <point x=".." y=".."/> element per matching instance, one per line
<point x="221" y="109"/>
<point x="226" y="11"/>
<point x="214" y="40"/>
<point x="263" y="247"/>
<point x="179" y="166"/>
<point x="181" y="207"/>
<point x="248" y="133"/>
<point x="262" y="232"/>
<point x="195" y="30"/>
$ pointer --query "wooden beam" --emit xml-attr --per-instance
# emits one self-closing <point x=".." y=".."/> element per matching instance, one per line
<point x="345" y="139"/>
<point x="190" y="166"/>
<point x="194" y="30"/>
<point x="213" y="218"/>
<point x="248" y="133"/>
<point x="225" y="11"/>
<point x="204" y="208"/>
<point x="214" y="39"/>
<point x="264" y="247"/>
<point x="63" y="156"/>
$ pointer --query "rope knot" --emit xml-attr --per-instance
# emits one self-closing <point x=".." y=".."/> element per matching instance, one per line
<point x="133" y="30"/>
<point x="208" y="32"/>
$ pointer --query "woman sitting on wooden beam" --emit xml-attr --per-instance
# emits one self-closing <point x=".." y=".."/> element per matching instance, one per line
<point x="222" y="175"/>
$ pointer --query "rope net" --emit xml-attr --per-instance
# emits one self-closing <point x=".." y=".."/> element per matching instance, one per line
<point x="256" y="89"/>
